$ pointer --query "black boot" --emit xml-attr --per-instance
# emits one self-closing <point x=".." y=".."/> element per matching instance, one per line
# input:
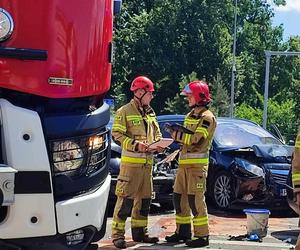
<point x="120" y="243"/>
<point x="183" y="234"/>
<point x="148" y="239"/>
<point x="198" y="242"/>
<point x="139" y="234"/>
<point x="176" y="238"/>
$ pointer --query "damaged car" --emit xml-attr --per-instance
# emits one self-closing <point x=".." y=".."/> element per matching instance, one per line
<point x="247" y="166"/>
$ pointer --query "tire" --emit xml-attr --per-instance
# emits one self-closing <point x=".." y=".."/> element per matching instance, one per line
<point x="222" y="189"/>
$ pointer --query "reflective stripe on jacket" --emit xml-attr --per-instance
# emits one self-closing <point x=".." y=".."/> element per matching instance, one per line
<point x="195" y="147"/>
<point x="194" y="158"/>
<point x="132" y="125"/>
<point x="139" y="158"/>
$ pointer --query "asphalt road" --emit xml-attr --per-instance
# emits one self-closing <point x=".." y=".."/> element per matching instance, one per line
<point x="282" y="232"/>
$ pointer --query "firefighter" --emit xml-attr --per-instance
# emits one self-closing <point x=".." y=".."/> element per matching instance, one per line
<point x="190" y="182"/>
<point x="296" y="176"/>
<point x="135" y="127"/>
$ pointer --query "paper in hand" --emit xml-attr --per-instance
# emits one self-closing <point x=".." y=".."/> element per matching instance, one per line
<point x="163" y="143"/>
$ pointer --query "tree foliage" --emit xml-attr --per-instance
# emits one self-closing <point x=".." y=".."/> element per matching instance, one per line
<point x="174" y="41"/>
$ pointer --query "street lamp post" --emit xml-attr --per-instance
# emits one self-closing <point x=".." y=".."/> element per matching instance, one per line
<point x="268" y="54"/>
<point x="233" y="70"/>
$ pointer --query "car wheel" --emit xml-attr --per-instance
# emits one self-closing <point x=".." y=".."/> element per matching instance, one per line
<point x="222" y="190"/>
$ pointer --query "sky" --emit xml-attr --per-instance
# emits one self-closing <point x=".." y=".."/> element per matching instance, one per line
<point x="288" y="15"/>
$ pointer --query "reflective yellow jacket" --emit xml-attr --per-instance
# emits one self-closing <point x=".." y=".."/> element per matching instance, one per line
<point x="195" y="147"/>
<point x="296" y="165"/>
<point x="132" y="125"/>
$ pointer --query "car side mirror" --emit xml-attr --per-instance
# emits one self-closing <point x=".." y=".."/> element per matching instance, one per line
<point x="291" y="143"/>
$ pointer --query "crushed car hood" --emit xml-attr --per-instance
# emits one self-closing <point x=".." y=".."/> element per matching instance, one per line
<point x="274" y="153"/>
<point x="266" y="153"/>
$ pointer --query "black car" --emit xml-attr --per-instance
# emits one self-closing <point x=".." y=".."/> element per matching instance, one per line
<point x="247" y="166"/>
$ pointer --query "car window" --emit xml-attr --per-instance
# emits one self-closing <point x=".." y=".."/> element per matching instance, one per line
<point x="242" y="135"/>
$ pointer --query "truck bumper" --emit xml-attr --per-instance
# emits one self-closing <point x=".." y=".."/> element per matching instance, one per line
<point x="76" y="213"/>
<point x="86" y="214"/>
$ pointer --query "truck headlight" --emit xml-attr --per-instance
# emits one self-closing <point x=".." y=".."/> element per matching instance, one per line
<point x="249" y="167"/>
<point x="81" y="155"/>
<point x="67" y="155"/>
<point x="96" y="142"/>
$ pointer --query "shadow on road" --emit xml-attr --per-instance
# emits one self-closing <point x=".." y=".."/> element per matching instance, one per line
<point x="288" y="236"/>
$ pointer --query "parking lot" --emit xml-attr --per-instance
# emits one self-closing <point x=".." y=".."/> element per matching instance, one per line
<point x="282" y="231"/>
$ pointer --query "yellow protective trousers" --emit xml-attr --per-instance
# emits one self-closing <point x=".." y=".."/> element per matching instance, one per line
<point x="188" y="198"/>
<point x="133" y="190"/>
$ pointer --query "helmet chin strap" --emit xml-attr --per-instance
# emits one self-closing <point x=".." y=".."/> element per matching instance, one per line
<point x="140" y="98"/>
<point x="200" y="105"/>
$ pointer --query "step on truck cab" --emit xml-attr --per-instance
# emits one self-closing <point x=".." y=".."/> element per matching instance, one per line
<point x="55" y="68"/>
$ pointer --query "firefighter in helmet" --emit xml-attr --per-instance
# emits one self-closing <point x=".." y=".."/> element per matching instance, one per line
<point x="135" y="127"/>
<point x="296" y="176"/>
<point x="190" y="182"/>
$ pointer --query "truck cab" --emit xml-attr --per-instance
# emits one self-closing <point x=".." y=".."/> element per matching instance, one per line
<point x="55" y="69"/>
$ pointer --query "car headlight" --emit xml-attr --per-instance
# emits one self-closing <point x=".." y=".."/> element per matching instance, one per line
<point x="67" y="155"/>
<point x="248" y="166"/>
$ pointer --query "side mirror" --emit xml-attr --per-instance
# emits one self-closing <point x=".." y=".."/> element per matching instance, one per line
<point x="291" y="143"/>
<point x="117" y="6"/>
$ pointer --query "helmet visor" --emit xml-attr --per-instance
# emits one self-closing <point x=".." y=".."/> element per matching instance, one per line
<point x="186" y="90"/>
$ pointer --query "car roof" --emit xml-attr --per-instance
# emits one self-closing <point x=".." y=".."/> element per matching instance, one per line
<point x="162" y="118"/>
<point x="180" y="117"/>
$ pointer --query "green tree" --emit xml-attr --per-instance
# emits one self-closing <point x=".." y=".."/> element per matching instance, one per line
<point x="280" y="114"/>
<point x="168" y="39"/>
<point x="220" y="98"/>
<point x="178" y="104"/>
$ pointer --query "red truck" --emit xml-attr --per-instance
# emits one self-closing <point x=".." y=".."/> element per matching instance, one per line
<point x="55" y="68"/>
